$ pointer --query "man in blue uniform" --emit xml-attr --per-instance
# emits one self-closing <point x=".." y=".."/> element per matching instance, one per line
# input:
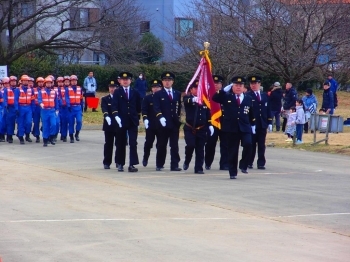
<point x="167" y="106"/>
<point x="263" y="121"/>
<point x="10" y="108"/>
<point x="152" y="125"/>
<point x="126" y="110"/>
<point x="110" y="127"/>
<point x="195" y="129"/>
<point x="238" y="122"/>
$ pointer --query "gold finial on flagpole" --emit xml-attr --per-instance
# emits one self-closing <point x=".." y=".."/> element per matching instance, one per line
<point x="206" y="45"/>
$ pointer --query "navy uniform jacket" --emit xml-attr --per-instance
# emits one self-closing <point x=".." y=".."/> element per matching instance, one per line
<point x="148" y="112"/>
<point x="235" y="118"/>
<point x="169" y="109"/>
<point x="128" y="110"/>
<point x="203" y="113"/>
<point x="106" y="106"/>
<point x="262" y="110"/>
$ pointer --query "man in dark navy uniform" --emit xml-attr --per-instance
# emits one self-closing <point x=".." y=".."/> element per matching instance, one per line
<point x="212" y="140"/>
<point x="237" y="122"/>
<point x="109" y="127"/>
<point x="126" y="110"/>
<point x="195" y="129"/>
<point x="167" y="106"/>
<point x="263" y="121"/>
<point x="152" y="124"/>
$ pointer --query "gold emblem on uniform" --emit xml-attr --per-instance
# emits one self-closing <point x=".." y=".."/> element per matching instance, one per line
<point x="239" y="80"/>
<point x="246" y="110"/>
<point x="167" y="75"/>
<point x="125" y="75"/>
<point x="112" y="82"/>
<point x="253" y="78"/>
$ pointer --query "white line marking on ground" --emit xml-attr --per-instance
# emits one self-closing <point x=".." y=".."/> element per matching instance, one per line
<point x="314" y="215"/>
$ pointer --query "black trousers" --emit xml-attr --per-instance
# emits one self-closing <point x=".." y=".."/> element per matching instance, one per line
<point x="195" y="143"/>
<point x="258" y="143"/>
<point x="171" y="135"/>
<point x="234" y="139"/>
<point x="88" y="95"/>
<point x="121" y="145"/>
<point x="151" y="135"/>
<point x="110" y="142"/>
<point x="284" y="124"/>
<point x="210" y="148"/>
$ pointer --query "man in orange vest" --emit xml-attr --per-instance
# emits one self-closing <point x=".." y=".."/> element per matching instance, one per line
<point x="64" y="111"/>
<point x="47" y="99"/>
<point x="37" y="109"/>
<point x="74" y="100"/>
<point x="9" y="107"/>
<point x="24" y="103"/>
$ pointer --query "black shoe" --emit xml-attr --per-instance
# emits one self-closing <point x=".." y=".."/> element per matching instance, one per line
<point x="185" y="166"/>
<point x="106" y="167"/>
<point x="199" y="172"/>
<point x="28" y="139"/>
<point x="2" y="138"/>
<point x="232" y="177"/>
<point x="132" y="169"/>
<point x="207" y="167"/>
<point x="52" y="140"/>
<point x="159" y="168"/>
<point x="224" y="168"/>
<point x="144" y="162"/>
<point x="261" y="167"/>
<point x="250" y="166"/>
<point x="77" y="136"/>
<point x="175" y="169"/>
<point x="45" y="142"/>
<point x="94" y="110"/>
<point x="37" y="140"/>
<point x="71" y="138"/>
<point x="64" y="139"/>
<point x="120" y="168"/>
<point x="21" y="140"/>
<point x="10" y="139"/>
<point x="244" y="171"/>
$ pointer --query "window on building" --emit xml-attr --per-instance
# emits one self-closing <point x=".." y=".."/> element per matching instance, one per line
<point x="27" y="9"/>
<point x="183" y="27"/>
<point x="145" y="27"/>
<point x="83" y="17"/>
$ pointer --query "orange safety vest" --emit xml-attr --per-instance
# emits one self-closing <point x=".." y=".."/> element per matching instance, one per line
<point x="48" y="100"/>
<point x="36" y="92"/>
<point x="10" y="96"/>
<point x="25" y="98"/>
<point x="75" y="98"/>
<point x="63" y="95"/>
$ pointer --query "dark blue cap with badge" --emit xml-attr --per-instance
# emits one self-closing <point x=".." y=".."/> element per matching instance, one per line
<point x="218" y="78"/>
<point x="112" y="84"/>
<point x="194" y="84"/>
<point x="238" y="80"/>
<point x="254" y="78"/>
<point x="125" y="75"/>
<point x="167" y="75"/>
<point x="156" y="83"/>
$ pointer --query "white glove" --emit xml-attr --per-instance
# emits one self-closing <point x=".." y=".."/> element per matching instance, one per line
<point x="146" y="122"/>
<point x="108" y="120"/>
<point x="270" y="128"/>
<point x="42" y="105"/>
<point x="211" y="129"/>
<point x="57" y="113"/>
<point x="228" y="88"/>
<point x="163" y="121"/>
<point x="195" y="99"/>
<point x="119" y="121"/>
<point x="253" y="130"/>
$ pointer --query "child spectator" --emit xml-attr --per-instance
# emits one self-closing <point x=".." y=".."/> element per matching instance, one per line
<point x="310" y="105"/>
<point x="300" y="120"/>
<point x="291" y="117"/>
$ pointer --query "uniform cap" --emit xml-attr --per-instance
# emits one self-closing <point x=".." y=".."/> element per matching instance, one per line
<point x="194" y="84"/>
<point x="31" y="79"/>
<point x="60" y="79"/>
<point x="5" y="80"/>
<point x="24" y="78"/>
<point x="218" y="78"/>
<point x="156" y="83"/>
<point x="66" y="77"/>
<point x="254" y="78"/>
<point x="167" y="75"/>
<point x="238" y="80"/>
<point x="73" y="77"/>
<point x="48" y="79"/>
<point x="40" y="79"/>
<point x="13" y="78"/>
<point x="125" y="75"/>
<point x="112" y="84"/>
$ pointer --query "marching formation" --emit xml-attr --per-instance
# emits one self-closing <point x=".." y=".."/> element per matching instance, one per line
<point x="26" y="102"/>
<point x="245" y="119"/>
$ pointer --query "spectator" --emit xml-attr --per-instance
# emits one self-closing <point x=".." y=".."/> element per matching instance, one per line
<point x="90" y="87"/>
<point x="328" y="99"/>
<point x="310" y="105"/>
<point x="333" y="88"/>
<point x="275" y="100"/>
<point x="291" y="127"/>
<point x="289" y="97"/>
<point x="141" y="85"/>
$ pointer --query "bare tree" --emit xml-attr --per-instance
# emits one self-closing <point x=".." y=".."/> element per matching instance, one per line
<point x="56" y="25"/>
<point x="291" y="39"/>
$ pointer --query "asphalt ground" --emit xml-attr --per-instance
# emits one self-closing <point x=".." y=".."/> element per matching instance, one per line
<point x="59" y="204"/>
